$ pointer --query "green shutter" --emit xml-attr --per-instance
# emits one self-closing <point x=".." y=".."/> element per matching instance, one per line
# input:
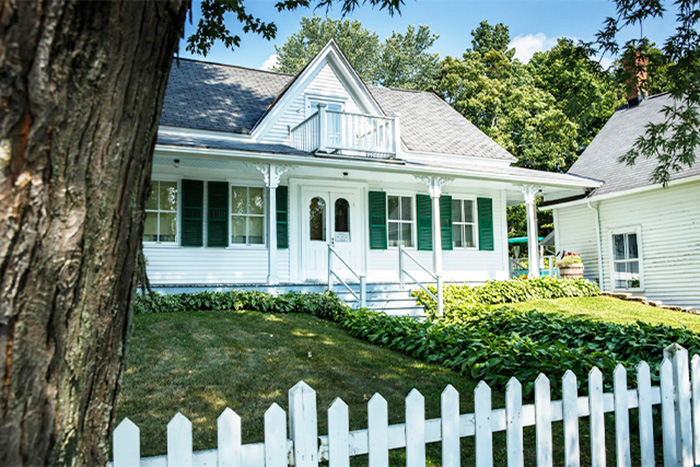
<point x="192" y="207"/>
<point x="377" y="220"/>
<point x="282" y="197"/>
<point x="425" y="222"/>
<point x="217" y="218"/>
<point x="446" y="222"/>
<point x="485" y="209"/>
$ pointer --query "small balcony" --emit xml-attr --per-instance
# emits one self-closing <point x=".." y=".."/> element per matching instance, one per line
<point x="349" y="134"/>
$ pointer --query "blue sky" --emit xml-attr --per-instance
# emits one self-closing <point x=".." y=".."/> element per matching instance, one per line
<point x="534" y="25"/>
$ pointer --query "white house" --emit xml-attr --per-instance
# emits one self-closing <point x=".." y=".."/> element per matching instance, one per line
<point x="632" y="234"/>
<point x="260" y="177"/>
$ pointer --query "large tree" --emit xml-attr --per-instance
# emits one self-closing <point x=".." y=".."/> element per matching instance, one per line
<point x="401" y="61"/>
<point x="82" y="85"/>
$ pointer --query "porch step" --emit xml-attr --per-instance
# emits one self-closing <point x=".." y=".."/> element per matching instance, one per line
<point x="388" y="298"/>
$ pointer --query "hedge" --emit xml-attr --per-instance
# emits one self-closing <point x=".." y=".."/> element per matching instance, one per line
<point x="456" y="297"/>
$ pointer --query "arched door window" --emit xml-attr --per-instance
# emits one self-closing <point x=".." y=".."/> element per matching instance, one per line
<point x="317" y="219"/>
<point x="342" y="219"/>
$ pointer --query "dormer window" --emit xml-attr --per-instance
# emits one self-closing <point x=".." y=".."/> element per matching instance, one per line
<point x="334" y="105"/>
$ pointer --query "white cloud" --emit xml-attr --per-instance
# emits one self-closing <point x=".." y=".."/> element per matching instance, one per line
<point x="526" y="46"/>
<point x="270" y="62"/>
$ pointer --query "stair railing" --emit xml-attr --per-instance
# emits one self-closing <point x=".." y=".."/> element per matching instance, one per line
<point x="403" y="272"/>
<point x="362" y="297"/>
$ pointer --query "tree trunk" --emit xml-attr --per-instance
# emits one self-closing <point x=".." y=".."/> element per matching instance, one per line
<point x="81" y="86"/>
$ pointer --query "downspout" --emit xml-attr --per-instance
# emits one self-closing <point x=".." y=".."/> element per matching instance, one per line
<point x="599" y="245"/>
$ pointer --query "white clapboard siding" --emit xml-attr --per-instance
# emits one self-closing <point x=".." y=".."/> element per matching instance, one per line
<point x="295" y="441"/>
<point x="670" y="240"/>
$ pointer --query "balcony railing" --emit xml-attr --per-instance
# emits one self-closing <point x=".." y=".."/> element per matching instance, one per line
<point x="352" y="134"/>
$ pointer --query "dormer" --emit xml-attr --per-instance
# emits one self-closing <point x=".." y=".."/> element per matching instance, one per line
<point x="327" y="109"/>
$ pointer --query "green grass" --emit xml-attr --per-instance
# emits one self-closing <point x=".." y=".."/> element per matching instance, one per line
<point x="201" y="362"/>
<point x="198" y="363"/>
<point x="612" y="310"/>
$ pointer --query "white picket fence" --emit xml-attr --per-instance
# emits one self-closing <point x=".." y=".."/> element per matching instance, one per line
<point x="302" y="447"/>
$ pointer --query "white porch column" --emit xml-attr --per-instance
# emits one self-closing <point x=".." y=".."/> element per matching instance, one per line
<point x="435" y="189"/>
<point x="271" y="174"/>
<point x="533" y="257"/>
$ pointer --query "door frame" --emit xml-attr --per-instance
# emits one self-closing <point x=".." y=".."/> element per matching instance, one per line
<point x="296" y="227"/>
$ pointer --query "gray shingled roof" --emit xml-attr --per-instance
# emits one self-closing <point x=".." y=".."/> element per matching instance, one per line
<point x="208" y="96"/>
<point x="599" y="160"/>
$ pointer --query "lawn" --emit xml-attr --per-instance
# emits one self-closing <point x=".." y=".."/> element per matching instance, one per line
<point x="612" y="310"/>
<point x="198" y="363"/>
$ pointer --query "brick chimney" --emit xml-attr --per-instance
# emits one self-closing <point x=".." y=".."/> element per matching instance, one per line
<point x="637" y="79"/>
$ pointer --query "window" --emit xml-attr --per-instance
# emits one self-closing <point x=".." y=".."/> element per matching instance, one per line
<point x="333" y="120"/>
<point x="400" y="220"/>
<point x="247" y="215"/>
<point x="626" y="263"/>
<point x="463" y="223"/>
<point x="317" y="219"/>
<point x="161" y="213"/>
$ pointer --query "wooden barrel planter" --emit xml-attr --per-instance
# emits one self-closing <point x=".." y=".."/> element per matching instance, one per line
<point x="571" y="271"/>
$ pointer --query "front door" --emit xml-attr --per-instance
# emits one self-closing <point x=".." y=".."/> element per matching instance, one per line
<point x="330" y="217"/>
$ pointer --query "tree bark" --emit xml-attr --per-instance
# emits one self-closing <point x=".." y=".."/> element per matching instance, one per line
<point x="82" y="86"/>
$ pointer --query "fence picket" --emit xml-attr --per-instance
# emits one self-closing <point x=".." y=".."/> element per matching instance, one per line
<point x="449" y="408"/>
<point x="596" y="417"/>
<point x="338" y="434"/>
<point x="378" y="431"/>
<point x="482" y="415"/>
<point x="681" y="381"/>
<point x="668" y="414"/>
<point x="695" y="372"/>
<point x="543" y="421"/>
<point x="275" y="437"/>
<point x="127" y="444"/>
<point x="572" y="455"/>
<point x="179" y="441"/>
<point x="415" y="429"/>
<point x="303" y="425"/>
<point x="228" y="432"/>
<point x="514" y="423"/>
<point x="622" y="417"/>
<point x="646" y="421"/>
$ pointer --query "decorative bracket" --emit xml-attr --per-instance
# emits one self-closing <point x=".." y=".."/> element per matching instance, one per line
<point x="530" y="193"/>
<point x="434" y="183"/>
<point x="271" y="173"/>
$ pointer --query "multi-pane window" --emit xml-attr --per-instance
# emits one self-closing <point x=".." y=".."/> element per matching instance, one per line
<point x="400" y="220"/>
<point x="626" y="261"/>
<point x="463" y="223"/>
<point x="161" y="213"/>
<point x="247" y="215"/>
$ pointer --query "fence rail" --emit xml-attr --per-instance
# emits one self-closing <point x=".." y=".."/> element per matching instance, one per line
<point x="678" y="395"/>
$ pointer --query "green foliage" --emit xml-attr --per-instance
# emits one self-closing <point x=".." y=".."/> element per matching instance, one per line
<point x="401" y="61"/>
<point x="498" y="96"/>
<point x="586" y="93"/>
<point x="486" y="38"/>
<point x="568" y="260"/>
<point x="326" y="305"/>
<point x="457" y="297"/>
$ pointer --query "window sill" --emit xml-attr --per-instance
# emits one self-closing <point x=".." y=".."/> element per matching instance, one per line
<point x="161" y="245"/>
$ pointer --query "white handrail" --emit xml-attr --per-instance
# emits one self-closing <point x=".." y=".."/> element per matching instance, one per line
<point x="404" y="272"/>
<point x="362" y="298"/>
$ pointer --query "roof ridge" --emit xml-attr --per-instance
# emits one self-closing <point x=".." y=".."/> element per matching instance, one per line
<point x="234" y="66"/>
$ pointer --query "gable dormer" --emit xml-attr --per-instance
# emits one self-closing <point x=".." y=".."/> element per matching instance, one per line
<point x="327" y="109"/>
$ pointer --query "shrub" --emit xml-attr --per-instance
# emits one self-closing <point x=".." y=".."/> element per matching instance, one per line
<point x="456" y="297"/>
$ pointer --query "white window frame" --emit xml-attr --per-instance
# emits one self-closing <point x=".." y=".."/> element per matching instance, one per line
<point x="178" y="201"/>
<point x="266" y="210"/>
<point x="475" y="224"/>
<point x="413" y="221"/>
<point x="308" y="111"/>
<point x="626" y="231"/>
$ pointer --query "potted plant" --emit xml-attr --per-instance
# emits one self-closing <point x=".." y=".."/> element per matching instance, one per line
<point x="570" y="266"/>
